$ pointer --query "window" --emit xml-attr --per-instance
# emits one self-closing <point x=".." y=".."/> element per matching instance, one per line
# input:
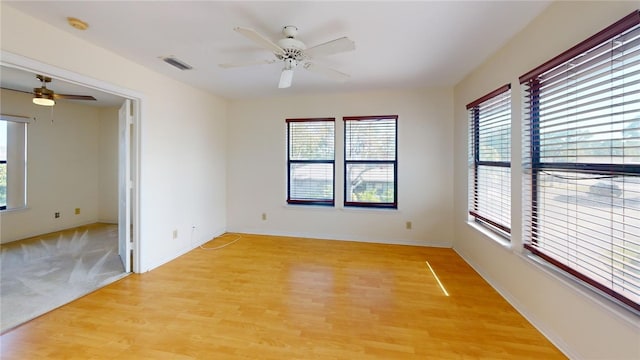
<point x="490" y="160"/>
<point x="310" y="152"/>
<point x="582" y="116"/>
<point x="371" y="166"/>
<point x="13" y="135"/>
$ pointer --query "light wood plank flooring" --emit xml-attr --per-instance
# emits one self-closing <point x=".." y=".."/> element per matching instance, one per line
<point x="267" y="297"/>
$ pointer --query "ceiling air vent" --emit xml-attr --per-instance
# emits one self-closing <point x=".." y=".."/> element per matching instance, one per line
<point x="177" y="63"/>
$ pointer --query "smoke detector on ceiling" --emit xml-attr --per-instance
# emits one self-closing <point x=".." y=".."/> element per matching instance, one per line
<point x="77" y="23"/>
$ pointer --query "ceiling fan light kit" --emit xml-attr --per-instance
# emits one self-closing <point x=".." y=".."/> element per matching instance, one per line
<point x="43" y="99"/>
<point x="293" y="52"/>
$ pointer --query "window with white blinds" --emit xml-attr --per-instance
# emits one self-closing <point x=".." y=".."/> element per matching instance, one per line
<point x="310" y="154"/>
<point x="490" y="160"/>
<point x="371" y="166"/>
<point x="582" y="148"/>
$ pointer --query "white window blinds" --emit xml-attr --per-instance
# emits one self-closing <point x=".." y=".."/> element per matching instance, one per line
<point x="490" y="160"/>
<point x="582" y="150"/>
<point x="311" y="161"/>
<point x="371" y="166"/>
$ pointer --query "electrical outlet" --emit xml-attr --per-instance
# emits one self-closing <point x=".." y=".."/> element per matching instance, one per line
<point x="264" y="216"/>
<point x="175" y="234"/>
<point x="77" y="211"/>
<point x="56" y="214"/>
<point x="408" y="225"/>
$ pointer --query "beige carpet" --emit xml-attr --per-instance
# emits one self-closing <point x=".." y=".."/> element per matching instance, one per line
<point x="42" y="273"/>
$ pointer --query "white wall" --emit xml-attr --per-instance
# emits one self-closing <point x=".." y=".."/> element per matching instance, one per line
<point x="257" y="168"/>
<point x="62" y="167"/>
<point x="72" y="163"/>
<point x="182" y="136"/>
<point x="584" y="326"/>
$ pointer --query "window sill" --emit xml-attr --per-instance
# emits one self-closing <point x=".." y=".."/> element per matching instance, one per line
<point x="377" y="210"/>
<point x="620" y="310"/>
<point x="498" y="239"/>
<point x="345" y="209"/>
<point x="314" y="207"/>
<point x="20" y="209"/>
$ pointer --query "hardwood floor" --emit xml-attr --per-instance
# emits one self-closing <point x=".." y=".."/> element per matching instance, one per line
<point x="266" y="297"/>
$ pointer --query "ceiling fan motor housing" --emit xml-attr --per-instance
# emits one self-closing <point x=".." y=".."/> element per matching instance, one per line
<point x="293" y="49"/>
<point x="43" y="92"/>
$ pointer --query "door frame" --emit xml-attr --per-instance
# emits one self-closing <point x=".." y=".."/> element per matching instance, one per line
<point x="16" y="61"/>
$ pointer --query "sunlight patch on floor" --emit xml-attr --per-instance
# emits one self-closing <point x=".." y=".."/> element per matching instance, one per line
<point x="437" y="279"/>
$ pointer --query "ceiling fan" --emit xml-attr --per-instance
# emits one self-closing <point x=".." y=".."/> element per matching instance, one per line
<point x="46" y="97"/>
<point x="293" y="52"/>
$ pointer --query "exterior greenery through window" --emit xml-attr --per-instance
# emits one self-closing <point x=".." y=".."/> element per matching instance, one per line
<point x="582" y="161"/>
<point x="490" y="160"/>
<point x="311" y="168"/>
<point x="371" y="166"/>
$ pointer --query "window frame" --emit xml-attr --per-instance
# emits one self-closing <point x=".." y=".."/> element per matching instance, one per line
<point x="535" y="166"/>
<point x="394" y="163"/>
<point x="290" y="162"/>
<point x="4" y="207"/>
<point x="473" y="108"/>
<point x="16" y="184"/>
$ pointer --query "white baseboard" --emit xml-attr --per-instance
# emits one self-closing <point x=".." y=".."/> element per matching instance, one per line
<point x="49" y="230"/>
<point x="343" y="238"/>
<point x="107" y="221"/>
<point x="192" y="245"/>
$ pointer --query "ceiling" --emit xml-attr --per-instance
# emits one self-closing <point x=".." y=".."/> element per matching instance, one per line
<point x="398" y="44"/>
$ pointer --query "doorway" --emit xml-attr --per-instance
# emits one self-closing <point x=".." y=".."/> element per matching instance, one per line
<point x="128" y="146"/>
<point x="132" y="150"/>
<point x="127" y="228"/>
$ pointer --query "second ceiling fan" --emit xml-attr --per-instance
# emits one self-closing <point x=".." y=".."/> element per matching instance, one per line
<point x="47" y="97"/>
<point x="293" y="53"/>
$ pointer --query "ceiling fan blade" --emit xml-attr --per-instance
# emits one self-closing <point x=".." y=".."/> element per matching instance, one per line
<point x="331" y="47"/>
<point x="246" y="63"/>
<point x="260" y="39"/>
<point x="328" y="72"/>
<point x="73" y="97"/>
<point x="16" y="90"/>
<point x="286" y="78"/>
